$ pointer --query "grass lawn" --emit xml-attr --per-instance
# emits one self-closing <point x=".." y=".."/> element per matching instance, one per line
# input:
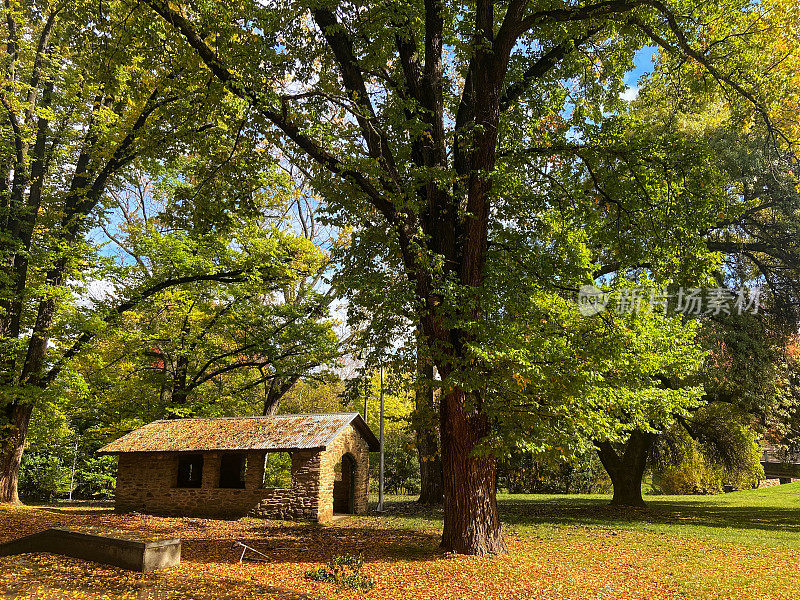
<point x="740" y="545"/>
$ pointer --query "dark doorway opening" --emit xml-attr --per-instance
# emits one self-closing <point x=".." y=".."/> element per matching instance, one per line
<point x="344" y="486"/>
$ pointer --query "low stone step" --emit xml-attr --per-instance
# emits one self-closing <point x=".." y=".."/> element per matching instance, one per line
<point x="111" y="548"/>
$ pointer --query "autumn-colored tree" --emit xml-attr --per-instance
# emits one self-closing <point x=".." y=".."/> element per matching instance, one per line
<point x="89" y="92"/>
<point x="421" y="112"/>
<point x="745" y="174"/>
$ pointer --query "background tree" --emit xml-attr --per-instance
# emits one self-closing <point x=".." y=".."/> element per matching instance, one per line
<point x="88" y="91"/>
<point x="243" y="343"/>
<point x="79" y="106"/>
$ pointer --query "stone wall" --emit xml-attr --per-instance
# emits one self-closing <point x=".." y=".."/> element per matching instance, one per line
<point x="348" y="442"/>
<point x="147" y="482"/>
<point x="299" y="502"/>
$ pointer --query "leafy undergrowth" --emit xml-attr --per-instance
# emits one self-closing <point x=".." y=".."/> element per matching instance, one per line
<point x="612" y="556"/>
<point x="344" y="572"/>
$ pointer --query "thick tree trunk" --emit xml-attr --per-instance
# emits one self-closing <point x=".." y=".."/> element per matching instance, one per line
<point x="430" y="468"/>
<point x="626" y="471"/>
<point x="12" y="437"/>
<point x="278" y="388"/>
<point x="471" y="520"/>
<point x="427" y="433"/>
<point x="12" y="444"/>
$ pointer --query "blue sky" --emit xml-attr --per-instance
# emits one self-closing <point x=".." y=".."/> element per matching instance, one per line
<point x="643" y="65"/>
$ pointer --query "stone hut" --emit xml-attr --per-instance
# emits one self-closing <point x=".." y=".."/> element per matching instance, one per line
<point x="303" y="467"/>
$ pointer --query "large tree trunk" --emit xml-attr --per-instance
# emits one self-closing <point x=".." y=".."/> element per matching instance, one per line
<point x="471" y="520"/>
<point x="12" y="443"/>
<point x="427" y="433"/>
<point x="430" y="468"/>
<point x="278" y="388"/>
<point x="626" y="471"/>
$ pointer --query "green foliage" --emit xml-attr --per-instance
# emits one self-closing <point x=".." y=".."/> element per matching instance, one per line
<point x="481" y="240"/>
<point x="569" y="379"/>
<point x="91" y="83"/>
<point x="749" y="367"/>
<point x="344" y="571"/>
<point x="241" y="323"/>
<point x="43" y="477"/>
<point x="125" y="168"/>
<point x="692" y="475"/>
<point x="401" y="466"/>
<point x="724" y="455"/>
<point x="278" y="470"/>
<point x="580" y="182"/>
<point x="49" y="430"/>
<point x="524" y="473"/>
<point x="58" y="437"/>
<point x="96" y="478"/>
<point x="317" y="395"/>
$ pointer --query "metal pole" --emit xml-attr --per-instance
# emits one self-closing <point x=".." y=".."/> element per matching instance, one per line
<point x="366" y="395"/>
<point x="72" y="476"/>
<point x="380" y="479"/>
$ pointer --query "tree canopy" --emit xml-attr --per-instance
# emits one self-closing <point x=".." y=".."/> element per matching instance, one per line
<point x="480" y="163"/>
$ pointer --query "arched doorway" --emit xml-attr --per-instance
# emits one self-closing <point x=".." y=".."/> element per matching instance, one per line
<point x="344" y="485"/>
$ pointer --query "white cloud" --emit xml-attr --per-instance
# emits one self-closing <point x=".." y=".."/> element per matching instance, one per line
<point x="96" y="291"/>
<point x="630" y="93"/>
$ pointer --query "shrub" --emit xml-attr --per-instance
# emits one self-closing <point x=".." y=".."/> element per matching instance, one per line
<point x="692" y="475"/>
<point x="725" y="454"/>
<point x="42" y="477"/>
<point x="344" y="572"/>
<point x="96" y="478"/>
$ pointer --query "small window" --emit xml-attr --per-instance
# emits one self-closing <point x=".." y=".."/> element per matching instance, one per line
<point x="232" y="470"/>
<point x="190" y="471"/>
<point x="278" y="470"/>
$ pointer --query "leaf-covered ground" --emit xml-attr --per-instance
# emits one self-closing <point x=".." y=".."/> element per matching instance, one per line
<point x="741" y="545"/>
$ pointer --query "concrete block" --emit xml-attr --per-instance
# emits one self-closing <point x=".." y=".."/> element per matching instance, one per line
<point x="111" y="549"/>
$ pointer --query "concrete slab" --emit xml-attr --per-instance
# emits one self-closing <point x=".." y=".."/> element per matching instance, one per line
<point x="111" y="548"/>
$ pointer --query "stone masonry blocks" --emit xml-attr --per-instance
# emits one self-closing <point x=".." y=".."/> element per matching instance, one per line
<point x="147" y="482"/>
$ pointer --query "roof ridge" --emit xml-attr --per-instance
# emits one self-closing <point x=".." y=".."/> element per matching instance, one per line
<point x="325" y="414"/>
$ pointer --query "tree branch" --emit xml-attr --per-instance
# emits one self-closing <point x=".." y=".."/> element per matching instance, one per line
<point x="580" y="13"/>
<point x="543" y="66"/>
<point x="85" y="337"/>
<point x="292" y="131"/>
<point x="685" y="48"/>
<point x="342" y="47"/>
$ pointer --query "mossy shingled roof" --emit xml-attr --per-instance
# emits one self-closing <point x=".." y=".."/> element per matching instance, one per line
<point x="280" y="432"/>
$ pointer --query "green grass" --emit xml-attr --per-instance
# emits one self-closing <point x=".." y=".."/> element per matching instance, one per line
<point x="737" y="545"/>
<point x="768" y="517"/>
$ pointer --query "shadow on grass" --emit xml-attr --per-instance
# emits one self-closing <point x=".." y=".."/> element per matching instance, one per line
<point x="750" y="510"/>
<point x="663" y="512"/>
<point x="292" y="543"/>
